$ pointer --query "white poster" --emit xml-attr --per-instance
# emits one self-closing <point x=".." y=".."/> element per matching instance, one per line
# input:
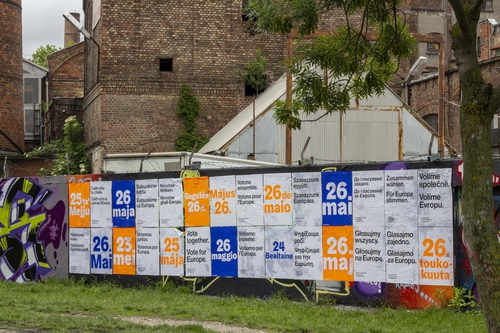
<point x="146" y="198"/>
<point x="369" y="253"/>
<point x="436" y="256"/>
<point x="308" y="253"/>
<point x="172" y="252"/>
<point x="368" y="201"/>
<point x="435" y="202"/>
<point x="223" y="201"/>
<point x="79" y="250"/>
<point x="171" y="204"/>
<point x="277" y="199"/>
<point x="279" y="252"/>
<point x="401" y="198"/>
<point x="101" y="256"/>
<point x="402" y="254"/>
<point x="100" y="200"/>
<point x="147" y="256"/>
<point x="250" y="199"/>
<point x="251" y="254"/>
<point x="198" y="255"/>
<point x="307" y="199"/>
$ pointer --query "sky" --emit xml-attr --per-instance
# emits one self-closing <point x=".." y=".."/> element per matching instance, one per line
<point x="43" y="23"/>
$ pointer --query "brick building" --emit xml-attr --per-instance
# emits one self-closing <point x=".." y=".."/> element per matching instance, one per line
<point x="11" y="79"/>
<point x="422" y="94"/>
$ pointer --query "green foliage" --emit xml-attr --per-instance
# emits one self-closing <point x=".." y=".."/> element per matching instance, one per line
<point x="40" y="55"/>
<point x="69" y="153"/>
<point x="354" y="61"/>
<point x="188" y="108"/>
<point x="254" y="73"/>
<point x="462" y="300"/>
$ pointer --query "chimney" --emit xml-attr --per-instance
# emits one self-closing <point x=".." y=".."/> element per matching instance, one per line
<point x="71" y="33"/>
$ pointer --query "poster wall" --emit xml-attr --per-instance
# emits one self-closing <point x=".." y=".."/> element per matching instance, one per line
<point x="371" y="226"/>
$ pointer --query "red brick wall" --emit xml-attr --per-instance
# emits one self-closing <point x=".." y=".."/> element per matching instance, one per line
<point x="424" y="98"/>
<point x="11" y="76"/>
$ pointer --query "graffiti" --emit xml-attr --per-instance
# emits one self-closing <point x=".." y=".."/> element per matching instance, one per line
<point x="27" y="228"/>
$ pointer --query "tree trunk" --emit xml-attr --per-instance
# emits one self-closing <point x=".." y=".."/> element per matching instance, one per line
<point x="477" y="200"/>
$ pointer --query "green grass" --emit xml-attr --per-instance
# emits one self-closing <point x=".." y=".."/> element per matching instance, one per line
<point x="73" y="306"/>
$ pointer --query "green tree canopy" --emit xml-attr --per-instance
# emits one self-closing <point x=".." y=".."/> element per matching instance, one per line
<point x="40" y="55"/>
<point x="359" y="57"/>
<point x="69" y="154"/>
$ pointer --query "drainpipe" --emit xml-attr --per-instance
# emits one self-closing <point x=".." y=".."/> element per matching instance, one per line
<point x="494" y="25"/>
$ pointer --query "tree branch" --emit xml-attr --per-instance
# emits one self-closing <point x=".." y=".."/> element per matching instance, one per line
<point x="495" y="100"/>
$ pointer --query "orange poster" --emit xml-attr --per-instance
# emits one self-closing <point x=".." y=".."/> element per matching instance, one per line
<point x="79" y="205"/>
<point x="338" y="253"/>
<point x="196" y="202"/>
<point x="124" y="251"/>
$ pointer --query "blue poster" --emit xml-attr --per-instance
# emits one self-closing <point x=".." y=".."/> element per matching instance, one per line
<point x="123" y="205"/>
<point x="336" y="188"/>
<point x="224" y="251"/>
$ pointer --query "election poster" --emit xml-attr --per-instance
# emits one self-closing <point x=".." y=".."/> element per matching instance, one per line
<point x="123" y="203"/>
<point x="435" y="202"/>
<point x="124" y="251"/>
<point x="436" y="256"/>
<point x="171" y="202"/>
<point x="338" y="253"/>
<point x="369" y="253"/>
<point x="101" y="261"/>
<point x="337" y="198"/>
<point x="147" y="245"/>
<point x="251" y="252"/>
<point x="368" y="198"/>
<point x="279" y="251"/>
<point x="79" y="205"/>
<point x="307" y="202"/>
<point x="224" y="246"/>
<point x="277" y="199"/>
<point x="198" y="251"/>
<point x="223" y="201"/>
<point x="146" y="196"/>
<point x="250" y="200"/>
<point x="196" y="202"/>
<point x="308" y="251"/>
<point x="79" y="250"/>
<point x="100" y="199"/>
<point x="401" y="198"/>
<point x="172" y="252"/>
<point x="402" y="254"/>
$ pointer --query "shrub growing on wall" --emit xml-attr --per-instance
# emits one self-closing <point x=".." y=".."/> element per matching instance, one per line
<point x="188" y="108"/>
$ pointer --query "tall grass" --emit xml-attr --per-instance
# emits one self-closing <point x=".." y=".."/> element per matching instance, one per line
<point x="74" y="306"/>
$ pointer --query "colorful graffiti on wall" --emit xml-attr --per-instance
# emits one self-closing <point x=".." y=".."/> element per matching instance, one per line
<point x="32" y="230"/>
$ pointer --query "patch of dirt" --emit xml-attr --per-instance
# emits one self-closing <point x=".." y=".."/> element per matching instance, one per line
<point x="212" y="325"/>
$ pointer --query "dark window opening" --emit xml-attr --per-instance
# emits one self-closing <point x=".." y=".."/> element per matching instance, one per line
<point x="487" y="6"/>
<point x="250" y="90"/>
<point x="166" y="64"/>
<point x="432" y="120"/>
